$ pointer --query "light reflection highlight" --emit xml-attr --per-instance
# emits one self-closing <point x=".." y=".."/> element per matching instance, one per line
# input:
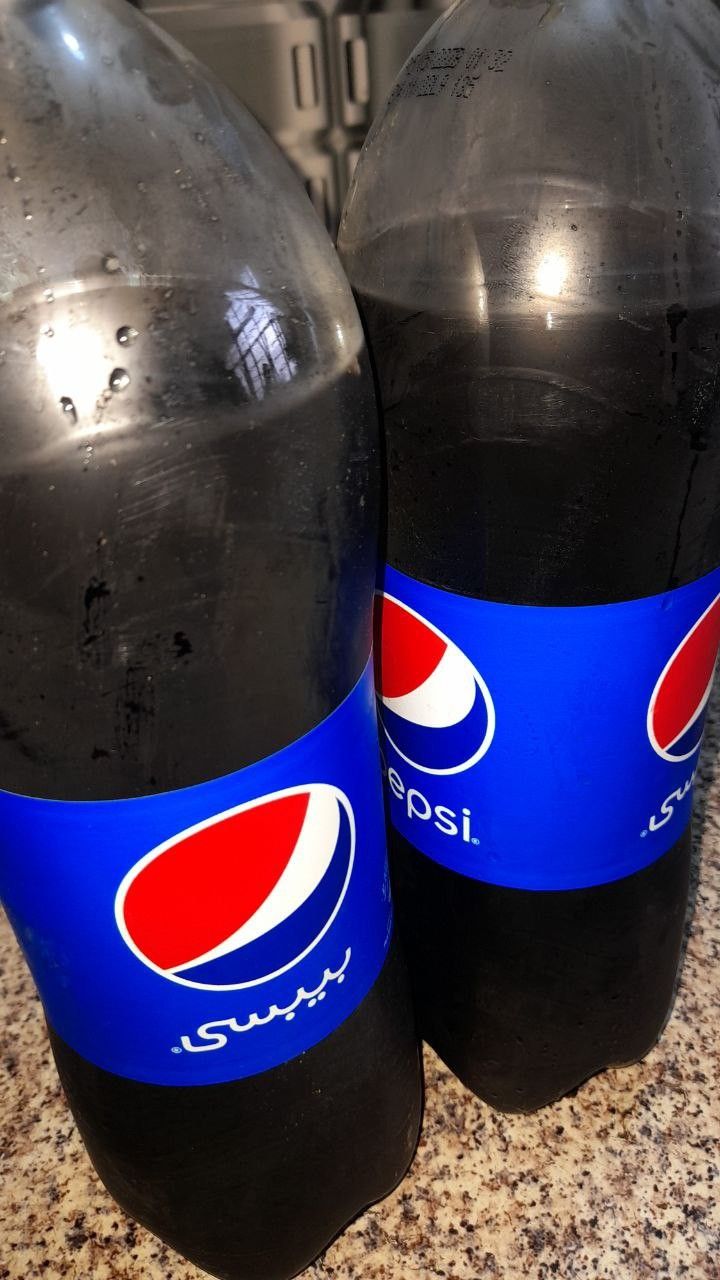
<point x="71" y="359"/>
<point x="258" y="355"/>
<point x="551" y="274"/>
<point x="72" y="43"/>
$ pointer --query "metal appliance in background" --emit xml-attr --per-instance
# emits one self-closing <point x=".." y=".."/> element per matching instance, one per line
<point x="313" y="72"/>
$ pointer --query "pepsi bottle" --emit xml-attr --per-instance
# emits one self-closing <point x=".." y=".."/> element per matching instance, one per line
<point x="192" y="847"/>
<point x="533" y="235"/>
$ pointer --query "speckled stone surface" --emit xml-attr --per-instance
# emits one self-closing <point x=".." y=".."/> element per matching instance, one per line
<point x="619" y="1182"/>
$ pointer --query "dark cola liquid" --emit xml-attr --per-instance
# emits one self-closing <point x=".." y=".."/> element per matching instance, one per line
<point x="190" y="551"/>
<point x="538" y="454"/>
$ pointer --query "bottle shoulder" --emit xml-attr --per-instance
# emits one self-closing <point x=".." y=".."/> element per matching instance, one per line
<point x="538" y="133"/>
<point x="123" y="157"/>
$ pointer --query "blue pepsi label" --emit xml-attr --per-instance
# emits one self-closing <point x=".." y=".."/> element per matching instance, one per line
<point x="543" y="748"/>
<point x="213" y="932"/>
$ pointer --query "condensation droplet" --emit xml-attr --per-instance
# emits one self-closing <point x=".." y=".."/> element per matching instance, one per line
<point x="47" y="331"/>
<point x="126" y="335"/>
<point x="142" y="186"/>
<point x="3" y="138"/>
<point x="68" y="407"/>
<point x="111" y="264"/>
<point x="12" y="173"/>
<point x="199" y="137"/>
<point x="119" y="379"/>
<point x="48" y="295"/>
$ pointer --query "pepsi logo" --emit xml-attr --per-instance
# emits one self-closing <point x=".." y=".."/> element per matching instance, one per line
<point x="434" y="705"/>
<point x="243" y="896"/>
<point x="676" y="715"/>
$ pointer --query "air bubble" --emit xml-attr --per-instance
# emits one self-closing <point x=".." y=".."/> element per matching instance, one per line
<point x="119" y="379"/>
<point x="68" y="406"/>
<point x="126" y="335"/>
<point x="111" y="264"/>
<point x="48" y="295"/>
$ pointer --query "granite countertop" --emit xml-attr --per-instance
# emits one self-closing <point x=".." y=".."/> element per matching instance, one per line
<point x="619" y="1182"/>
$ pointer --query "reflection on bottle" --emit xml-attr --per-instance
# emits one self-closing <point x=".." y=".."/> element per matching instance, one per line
<point x="551" y="275"/>
<point x="258" y="355"/>
<point x="72" y="43"/>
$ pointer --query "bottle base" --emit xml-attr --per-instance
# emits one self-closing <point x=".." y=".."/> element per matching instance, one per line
<point x="265" y="1270"/>
<point x="526" y="995"/>
<point x="533" y="1103"/>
